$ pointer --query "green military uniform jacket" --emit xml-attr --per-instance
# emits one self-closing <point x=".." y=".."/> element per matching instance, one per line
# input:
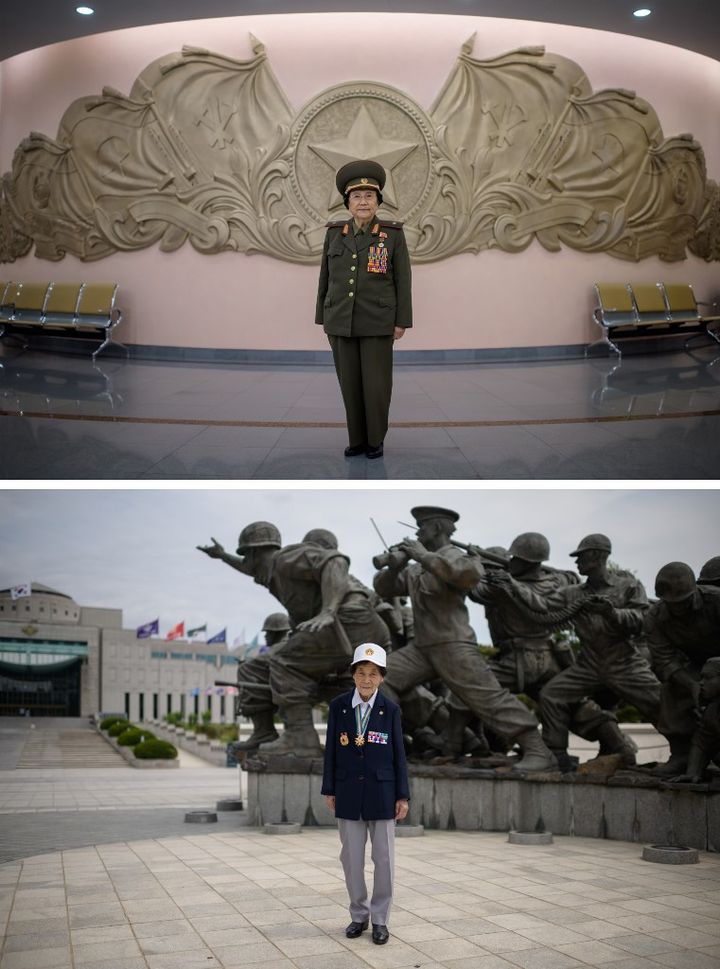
<point x="364" y="287"/>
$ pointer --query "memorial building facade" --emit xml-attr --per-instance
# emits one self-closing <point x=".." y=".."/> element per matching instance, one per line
<point x="61" y="659"/>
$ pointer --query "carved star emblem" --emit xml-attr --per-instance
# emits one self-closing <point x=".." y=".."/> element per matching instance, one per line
<point x="364" y="140"/>
<point x="216" y="117"/>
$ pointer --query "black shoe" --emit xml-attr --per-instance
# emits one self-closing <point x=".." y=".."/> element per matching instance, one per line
<point x="380" y="934"/>
<point x="356" y="929"/>
<point x="374" y="452"/>
<point x="355" y="450"/>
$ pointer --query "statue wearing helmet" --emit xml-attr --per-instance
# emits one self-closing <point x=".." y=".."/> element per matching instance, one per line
<point x="253" y="679"/>
<point x="607" y="613"/>
<point x="683" y="633"/>
<point x="529" y="655"/>
<point x="710" y="572"/>
<point x="329" y="614"/>
<point x="437" y="577"/>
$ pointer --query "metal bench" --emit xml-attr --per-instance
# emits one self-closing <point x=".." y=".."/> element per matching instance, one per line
<point x="72" y="310"/>
<point x="628" y="312"/>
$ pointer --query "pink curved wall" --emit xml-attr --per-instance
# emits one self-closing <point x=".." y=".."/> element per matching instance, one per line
<point x="495" y="299"/>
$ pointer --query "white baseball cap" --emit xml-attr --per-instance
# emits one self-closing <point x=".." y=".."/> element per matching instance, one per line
<point x="370" y="653"/>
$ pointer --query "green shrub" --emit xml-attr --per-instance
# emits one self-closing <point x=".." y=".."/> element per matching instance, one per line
<point x="110" y="721"/>
<point x="134" y="735"/>
<point x="173" y="718"/>
<point x="206" y="716"/>
<point x="155" y="750"/>
<point x="192" y="719"/>
<point x="117" y="728"/>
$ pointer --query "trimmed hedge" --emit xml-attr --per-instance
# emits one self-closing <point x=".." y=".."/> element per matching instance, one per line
<point x="132" y="736"/>
<point x="155" y="750"/>
<point x="117" y="728"/>
<point x="111" y="721"/>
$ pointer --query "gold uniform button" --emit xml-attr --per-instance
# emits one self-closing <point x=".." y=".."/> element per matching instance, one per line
<point x="354" y="255"/>
<point x="349" y="294"/>
<point x="352" y="269"/>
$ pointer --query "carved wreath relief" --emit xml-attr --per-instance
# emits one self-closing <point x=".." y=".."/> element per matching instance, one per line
<point x="208" y="150"/>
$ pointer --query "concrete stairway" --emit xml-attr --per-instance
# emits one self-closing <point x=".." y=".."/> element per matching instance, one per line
<point x="66" y="742"/>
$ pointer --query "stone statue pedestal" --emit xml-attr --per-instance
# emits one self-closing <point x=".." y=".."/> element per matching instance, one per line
<point x="625" y="807"/>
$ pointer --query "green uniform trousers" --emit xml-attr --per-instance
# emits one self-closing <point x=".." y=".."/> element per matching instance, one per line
<point x="364" y="369"/>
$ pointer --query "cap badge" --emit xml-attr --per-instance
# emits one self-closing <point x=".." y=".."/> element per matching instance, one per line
<point x="369" y="652"/>
<point x="363" y="181"/>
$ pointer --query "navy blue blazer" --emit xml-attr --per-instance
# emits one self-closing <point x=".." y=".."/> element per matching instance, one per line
<point x="366" y="781"/>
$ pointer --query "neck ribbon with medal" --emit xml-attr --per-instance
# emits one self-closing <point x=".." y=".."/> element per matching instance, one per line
<point x="361" y="723"/>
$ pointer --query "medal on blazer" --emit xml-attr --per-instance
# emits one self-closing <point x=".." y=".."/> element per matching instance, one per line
<point x="377" y="259"/>
<point x="361" y="725"/>
<point x="344" y="739"/>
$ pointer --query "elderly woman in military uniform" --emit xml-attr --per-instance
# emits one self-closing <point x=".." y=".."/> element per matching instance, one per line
<point x="365" y="783"/>
<point x="364" y="304"/>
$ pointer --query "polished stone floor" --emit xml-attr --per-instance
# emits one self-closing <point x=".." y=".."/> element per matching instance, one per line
<point x="648" y="417"/>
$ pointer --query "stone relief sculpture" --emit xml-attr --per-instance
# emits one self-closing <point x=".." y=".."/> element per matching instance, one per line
<point x="207" y="150"/>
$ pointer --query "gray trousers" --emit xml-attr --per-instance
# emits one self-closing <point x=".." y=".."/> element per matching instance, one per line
<point x="353" y="835"/>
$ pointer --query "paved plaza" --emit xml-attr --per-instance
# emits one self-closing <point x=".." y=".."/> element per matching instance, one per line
<point x="105" y="874"/>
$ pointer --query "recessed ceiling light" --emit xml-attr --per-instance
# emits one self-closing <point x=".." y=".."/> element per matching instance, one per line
<point x="85" y="11"/>
<point x="642" y="12"/>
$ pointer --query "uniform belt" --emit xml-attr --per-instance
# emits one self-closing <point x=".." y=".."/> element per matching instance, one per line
<point x="518" y="647"/>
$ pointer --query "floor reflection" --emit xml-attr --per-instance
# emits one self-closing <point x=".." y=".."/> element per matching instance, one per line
<point x="656" y="417"/>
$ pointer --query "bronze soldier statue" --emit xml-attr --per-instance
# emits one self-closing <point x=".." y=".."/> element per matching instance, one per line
<point x="705" y="742"/>
<point x="329" y="617"/>
<point x="607" y="613"/>
<point x="437" y="576"/>
<point x="253" y="679"/>
<point x="529" y="655"/>
<point x="683" y="633"/>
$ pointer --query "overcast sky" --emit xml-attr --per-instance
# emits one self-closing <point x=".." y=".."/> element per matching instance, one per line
<point x="135" y="549"/>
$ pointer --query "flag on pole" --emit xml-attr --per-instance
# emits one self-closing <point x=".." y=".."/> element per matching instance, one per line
<point x="193" y="633"/>
<point x="148" y="630"/>
<point x="177" y="632"/>
<point x="194" y="692"/>
<point x="19" y="591"/>
<point x="238" y="641"/>
<point x="220" y="637"/>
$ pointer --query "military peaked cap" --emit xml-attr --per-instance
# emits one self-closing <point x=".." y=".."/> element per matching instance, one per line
<point x="360" y="174"/>
<point x="423" y="513"/>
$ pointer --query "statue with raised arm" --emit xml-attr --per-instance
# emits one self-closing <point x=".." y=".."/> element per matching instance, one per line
<point x="607" y="613"/>
<point x="438" y="575"/>
<point x="330" y="614"/>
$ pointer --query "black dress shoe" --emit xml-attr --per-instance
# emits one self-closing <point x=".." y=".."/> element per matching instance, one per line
<point x="355" y="450"/>
<point x="380" y="934"/>
<point x="356" y="929"/>
<point x="374" y="452"/>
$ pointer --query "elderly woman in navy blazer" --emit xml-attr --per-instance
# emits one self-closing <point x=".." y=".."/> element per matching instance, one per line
<point x="365" y="783"/>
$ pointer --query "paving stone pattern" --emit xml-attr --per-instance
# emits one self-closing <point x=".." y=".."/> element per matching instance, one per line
<point x="464" y="900"/>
